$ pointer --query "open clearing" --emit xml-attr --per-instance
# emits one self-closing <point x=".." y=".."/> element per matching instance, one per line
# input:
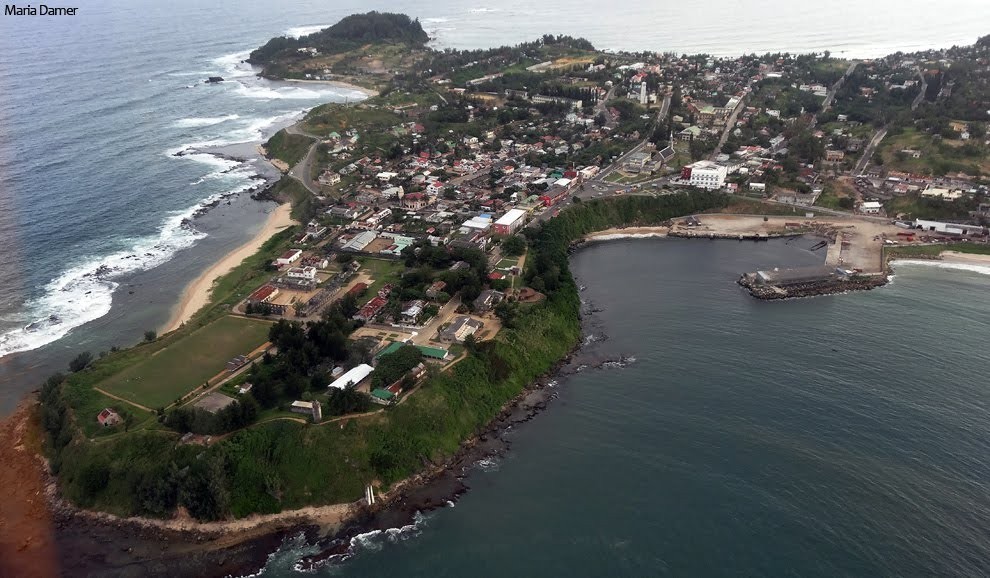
<point x="180" y="368"/>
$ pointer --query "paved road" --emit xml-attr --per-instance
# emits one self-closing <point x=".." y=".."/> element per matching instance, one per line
<point x="830" y="98"/>
<point x="303" y="171"/>
<point x="661" y="114"/>
<point x="868" y="151"/>
<point x="729" y="125"/>
<point x="924" y="89"/>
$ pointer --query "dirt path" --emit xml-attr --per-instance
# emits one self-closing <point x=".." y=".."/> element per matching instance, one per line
<point x="127" y="401"/>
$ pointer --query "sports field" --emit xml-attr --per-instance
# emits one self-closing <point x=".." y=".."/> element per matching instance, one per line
<point x="185" y="365"/>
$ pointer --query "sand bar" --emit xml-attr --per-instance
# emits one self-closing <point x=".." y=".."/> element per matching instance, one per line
<point x="197" y="294"/>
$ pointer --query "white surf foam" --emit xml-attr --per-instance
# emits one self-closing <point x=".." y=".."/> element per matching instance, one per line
<point x="85" y="293"/>
<point x="232" y="65"/>
<point x="204" y="120"/>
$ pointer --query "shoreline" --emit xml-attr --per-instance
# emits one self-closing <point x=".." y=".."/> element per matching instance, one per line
<point x="196" y="294"/>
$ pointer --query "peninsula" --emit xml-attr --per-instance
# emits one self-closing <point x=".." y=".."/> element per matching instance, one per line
<point x="426" y="285"/>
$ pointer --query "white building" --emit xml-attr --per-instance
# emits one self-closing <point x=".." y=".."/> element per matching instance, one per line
<point x="510" y="222"/>
<point x="871" y="207"/>
<point x="706" y="175"/>
<point x="951" y="228"/>
<point x="642" y="93"/>
<point x="353" y="376"/>
<point x="289" y="257"/>
<point x="302" y="273"/>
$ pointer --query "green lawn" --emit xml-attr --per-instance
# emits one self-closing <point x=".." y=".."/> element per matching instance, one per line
<point x="185" y="365"/>
<point x="290" y="148"/>
<point x="382" y="271"/>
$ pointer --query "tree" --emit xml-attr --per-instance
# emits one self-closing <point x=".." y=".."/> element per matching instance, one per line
<point x="80" y="362"/>
<point x="150" y="335"/>
<point x="514" y="246"/>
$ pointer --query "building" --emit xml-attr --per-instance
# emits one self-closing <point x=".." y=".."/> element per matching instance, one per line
<point x="642" y="94"/>
<point x="382" y="396"/>
<point x="308" y="273"/>
<point x="289" y="257"/>
<point x="543" y="99"/>
<point x="510" y="222"/>
<point x="412" y="312"/>
<point x="263" y="294"/>
<point x="108" y="418"/>
<point x="834" y="156"/>
<point x="360" y="241"/>
<point x="352" y="377"/>
<point x="414" y="201"/>
<point x="434" y="290"/>
<point x="237" y="362"/>
<point x="329" y="178"/>
<point x="949" y="228"/>
<point x="871" y="207"/>
<point x="302" y="407"/>
<point x="705" y="175"/>
<point x="488" y="299"/>
<point x="636" y="162"/>
<point x="458" y="331"/>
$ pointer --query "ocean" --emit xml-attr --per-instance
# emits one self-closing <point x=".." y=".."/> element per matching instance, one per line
<point x="835" y="436"/>
<point x="841" y="435"/>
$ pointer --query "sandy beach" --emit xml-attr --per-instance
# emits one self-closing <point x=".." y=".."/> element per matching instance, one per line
<point x="197" y="294"/>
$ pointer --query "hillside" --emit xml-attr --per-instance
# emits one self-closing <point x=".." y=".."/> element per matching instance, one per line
<point x="282" y="55"/>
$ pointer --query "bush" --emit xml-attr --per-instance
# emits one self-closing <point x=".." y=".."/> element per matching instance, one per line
<point x="150" y="335"/>
<point x="80" y="362"/>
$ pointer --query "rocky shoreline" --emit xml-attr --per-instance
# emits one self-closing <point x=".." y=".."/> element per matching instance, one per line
<point x="812" y="288"/>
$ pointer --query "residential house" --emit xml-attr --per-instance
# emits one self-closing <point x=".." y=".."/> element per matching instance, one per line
<point x="458" y="331"/>
<point x="488" y="299"/>
<point x="108" y="418"/>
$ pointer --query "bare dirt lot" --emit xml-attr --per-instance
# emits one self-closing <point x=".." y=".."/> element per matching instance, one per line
<point x="860" y="241"/>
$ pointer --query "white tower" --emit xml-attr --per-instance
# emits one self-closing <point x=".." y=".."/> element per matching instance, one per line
<point x="642" y="93"/>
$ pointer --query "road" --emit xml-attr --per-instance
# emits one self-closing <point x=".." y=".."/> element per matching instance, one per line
<point x="303" y="171"/>
<point x="868" y="151"/>
<point x="661" y="114"/>
<point x="924" y="89"/>
<point x="830" y="97"/>
<point x="729" y="125"/>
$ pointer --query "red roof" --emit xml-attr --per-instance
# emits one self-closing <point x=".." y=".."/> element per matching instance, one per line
<point x="262" y="293"/>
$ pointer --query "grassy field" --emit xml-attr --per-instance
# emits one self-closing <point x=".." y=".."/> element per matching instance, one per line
<point x="176" y="370"/>
<point x="338" y="118"/>
<point x="290" y="148"/>
<point x="382" y="271"/>
<point x="936" y="158"/>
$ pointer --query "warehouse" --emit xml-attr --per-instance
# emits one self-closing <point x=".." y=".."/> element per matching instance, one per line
<point x="510" y="222"/>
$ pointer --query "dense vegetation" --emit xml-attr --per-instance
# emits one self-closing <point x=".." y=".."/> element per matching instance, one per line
<point x="350" y="33"/>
